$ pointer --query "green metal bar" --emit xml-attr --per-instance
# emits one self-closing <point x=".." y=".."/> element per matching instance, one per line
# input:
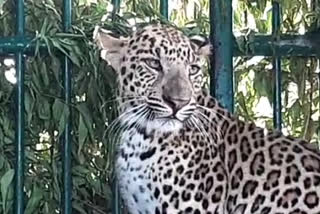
<point x="318" y="132"/>
<point x="67" y="15"/>
<point x="116" y="204"/>
<point x="221" y="62"/>
<point x="16" y="44"/>
<point x="259" y="45"/>
<point x="314" y="5"/>
<point x="66" y="151"/>
<point x="285" y="45"/>
<point x="276" y="62"/>
<point x="67" y="139"/>
<point x="116" y="4"/>
<point x="116" y="200"/>
<point x="116" y="7"/>
<point x="20" y="18"/>
<point x="164" y="8"/>
<point x="19" y="148"/>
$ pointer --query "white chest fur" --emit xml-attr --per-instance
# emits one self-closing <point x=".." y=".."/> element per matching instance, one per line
<point x="134" y="173"/>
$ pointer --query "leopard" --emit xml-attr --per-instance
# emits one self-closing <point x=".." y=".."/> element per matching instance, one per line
<point x="179" y="151"/>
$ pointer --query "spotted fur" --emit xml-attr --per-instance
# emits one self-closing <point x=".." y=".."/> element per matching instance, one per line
<point x="180" y="152"/>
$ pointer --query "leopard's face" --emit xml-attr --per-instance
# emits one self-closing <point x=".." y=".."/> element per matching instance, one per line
<point x="159" y="75"/>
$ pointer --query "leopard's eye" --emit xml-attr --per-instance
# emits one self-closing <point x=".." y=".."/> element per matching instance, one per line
<point x="194" y="69"/>
<point x="153" y="63"/>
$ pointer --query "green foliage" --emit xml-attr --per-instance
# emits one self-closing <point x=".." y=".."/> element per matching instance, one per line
<point x="45" y="111"/>
<point x="93" y="85"/>
<point x="300" y="88"/>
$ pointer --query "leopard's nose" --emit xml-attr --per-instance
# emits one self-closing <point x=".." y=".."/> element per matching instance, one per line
<point x="175" y="103"/>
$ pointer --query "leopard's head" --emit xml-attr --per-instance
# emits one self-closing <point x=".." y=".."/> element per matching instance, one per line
<point x="159" y="75"/>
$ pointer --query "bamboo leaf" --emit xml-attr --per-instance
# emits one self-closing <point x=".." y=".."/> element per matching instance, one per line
<point x="87" y="118"/>
<point x="57" y="109"/>
<point x="5" y="182"/>
<point x="29" y="105"/>
<point x="44" y="109"/>
<point x="35" y="200"/>
<point x="83" y="133"/>
<point x="78" y="207"/>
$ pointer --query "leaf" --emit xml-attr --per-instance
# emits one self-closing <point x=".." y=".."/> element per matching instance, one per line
<point x="87" y="118"/>
<point x="57" y="109"/>
<point x="44" y="27"/>
<point x="63" y="120"/>
<point x="1" y="3"/>
<point x="83" y="133"/>
<point x="48" y="45"/>
<point x="1" y="135"/>
<point x="1" y="160"/>
<point x="44" y="109"/>
<point x="78" y="207"/>
<point x="5" y="183"/>
<point x="34" y="200"/>
<point x="29" y="104"/>
<point x="78" y="181"/>
<point x="80" y="170"/>
<point x="35" y="77"/>
<point x="242" y="103"/>
<point x="60" y="115"/>
<point x="74" y="58"/>
<point x="261" y="5"/>
<point x="62" y="48"/>
<point x="44" y="74"/>
<point x="68" y="35"/>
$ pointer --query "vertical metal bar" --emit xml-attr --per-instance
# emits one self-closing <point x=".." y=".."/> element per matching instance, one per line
<point x="116" y="200"/>
<point x="277" y="117"/>
<point x="116" y="4"/>
<point x="19" y="148"/>
<point x="116" y="7"/>
<point x="19" y="164"/>
<point x="221" y="79"/>
<point x="116" y="204"/>
<point x="66" y="147"/>
<point x="164" y="8"/>
<point x="318" y="61"/>
<point x="315" y="4"/>
<point x="20" y="18"/>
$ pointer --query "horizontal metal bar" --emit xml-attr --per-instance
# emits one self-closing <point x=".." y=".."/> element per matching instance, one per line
<point x="259" y="45"/>
<point x="285" y="45"/>
<point x="17" y="44"/>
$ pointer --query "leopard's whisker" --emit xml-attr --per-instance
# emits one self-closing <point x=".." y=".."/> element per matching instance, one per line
<point x="203" y="116"/>
<point x="118" y="124"/>
<point x="142" y="118"/>
<point x="198" y="123"/>
<point x="213" y="110"/>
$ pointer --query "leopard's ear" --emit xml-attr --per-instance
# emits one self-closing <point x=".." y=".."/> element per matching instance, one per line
<point x="201" y="45"/>
<point x="111" y="47"/>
